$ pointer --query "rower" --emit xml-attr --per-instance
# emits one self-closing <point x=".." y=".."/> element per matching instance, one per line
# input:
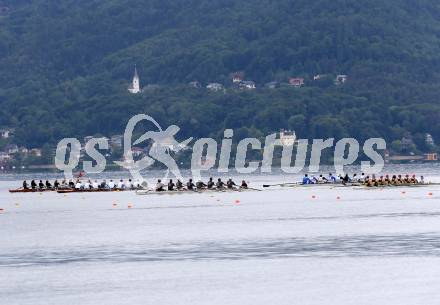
<point x="243" y="185"/>
<point x="33" y="184"/>
<point x="160" y="186"/>
<point x="422" y="180"/>
<point x="121" y="185"/>
<point x="331" y="178"/>
<point x="210" y="183"/>
<point x="95" y="185"/>
<point x="230" y="184"/>
<point x="71" y="184"/>
<point x="78" y="185"/>
<point x="56" y="184"/>
<point x="346" y="179"/>
<point x="414" y="179"/>
<point x="130" y="184"/>
<point x="48" y="185"/>
<point x="111" y="184"/>
<point x="179" y="184"/>
<point x="306" y="180"/>
<point x="200" y="185"/>
<point x="220" y="184"/>
<point x="25" y="185"/>
<point x="88" y="185"/>
<point x="362" y="178"/>
<point x="41" y="185"/>
<point x="171" y="185"/>
<point x="322" y="180"/>
<point x="190" y="185"/>
<point x="103" y="184"/>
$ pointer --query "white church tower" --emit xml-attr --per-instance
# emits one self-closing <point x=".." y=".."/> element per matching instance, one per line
<point x="135" y="86"/>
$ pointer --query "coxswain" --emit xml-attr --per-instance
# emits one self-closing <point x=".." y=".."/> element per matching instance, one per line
<point x="179" y="184"/>
<point x="41" y="185"/>
<point x="56" y="184"/>
<point x="190" y="185"/>
<point x="307" y="180"/>
<point x="171" y="185"/>
<point x="243" y="185"/>
<point x="160" y="186"/>
<point x="25" y="185"/>
<point x="230" y="184"/>
<point x="200" y="185"/>
<point x="220" y="184"/>
<point x="211" y="183"/>
<point x="48" y="185"/>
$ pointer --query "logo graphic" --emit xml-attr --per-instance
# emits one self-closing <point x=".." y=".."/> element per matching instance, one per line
<point x="207" y="153"/>
<point x="164" y="144"/>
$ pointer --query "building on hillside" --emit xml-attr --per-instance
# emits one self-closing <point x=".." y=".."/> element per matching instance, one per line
<point x="195" y="84"/>
<point x="341" y="79"/>
<point x="287" y="137"/>
<point x="247" y="84"/>
<point x="237" y="77"/>
<point x="431" y="157"/>
<point x="23" y="150"/>
<point x="11" y="149"/>
<point x="296" y="81"/>
<point x="116" y="140"/>
<point x="429" y="139"/>
<point x="36" y="152"/>
<point x="215" y="87"/>
<point x="135" y="86"/>
<point x="5" y="133"/>
<point x="4" y="157"/>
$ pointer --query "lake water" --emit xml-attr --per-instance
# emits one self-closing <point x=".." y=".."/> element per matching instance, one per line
<point x="326" y="245"/>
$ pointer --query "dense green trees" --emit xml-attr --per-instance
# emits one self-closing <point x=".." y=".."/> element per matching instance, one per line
<point x="65" y="66"/>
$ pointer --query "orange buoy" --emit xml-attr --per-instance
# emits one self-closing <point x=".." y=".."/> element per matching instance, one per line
<point x="338" y="198"/>
<point x="2" y="210"/>
<point x="115" y="205"/>
<point x="313" y="197"/>
<point x="237" y="201"/>
<point x="403" y="192"/>
<point x="130" y="206"/>
<point x="430" y="194"/>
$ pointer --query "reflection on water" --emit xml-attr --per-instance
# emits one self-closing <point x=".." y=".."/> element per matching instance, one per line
<point x="349" y="246"/>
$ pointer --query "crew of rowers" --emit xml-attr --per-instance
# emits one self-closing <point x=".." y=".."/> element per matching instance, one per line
<point x="364" y="180"/>
<point x="79" y="185"/>
<point x="199" y="185"/>
<point x="130" y="185"/>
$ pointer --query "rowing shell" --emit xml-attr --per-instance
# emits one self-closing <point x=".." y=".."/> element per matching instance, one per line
<point x="31" y="190"/>
<point x="68" y="191"/>
<point x="181" y="192"/>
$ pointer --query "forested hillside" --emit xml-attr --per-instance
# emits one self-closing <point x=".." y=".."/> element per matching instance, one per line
<point x="65" y="66"/>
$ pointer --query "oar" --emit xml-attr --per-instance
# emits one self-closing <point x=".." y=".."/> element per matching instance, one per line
<point x="280" y="184"/>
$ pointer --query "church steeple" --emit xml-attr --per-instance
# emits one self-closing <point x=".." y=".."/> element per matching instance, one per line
<point x="135" y="86"/>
